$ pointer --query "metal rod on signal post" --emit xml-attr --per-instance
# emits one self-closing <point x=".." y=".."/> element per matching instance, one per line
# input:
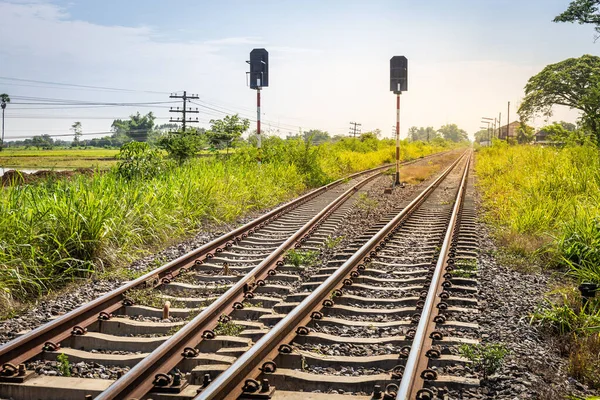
<point x="397" y="180"/>
<point x="258" y="145"/>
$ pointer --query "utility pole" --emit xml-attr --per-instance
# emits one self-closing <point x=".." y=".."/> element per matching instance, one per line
<point x="499" y="125"/>
<point x="353" y="129"/>
<point x="508" y="122"/>
<point x="488" y="121"/>
<point x="185" y="109"/>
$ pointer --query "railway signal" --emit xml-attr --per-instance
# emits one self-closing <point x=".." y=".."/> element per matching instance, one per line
<point x="259" y="78"/>
<point x="398" y="84"/>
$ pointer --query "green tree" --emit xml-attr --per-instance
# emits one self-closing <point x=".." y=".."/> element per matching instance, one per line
<point x="317" y="135"/>
<point x="558" y="133"/>
<point x="77" y="131"/>
<point x="453" y="133"/>
<point x="567" y="125"/>
<point x="4" y="100"/>
<point x="525" y="133"/>
<point x="423" y="134"/>
<point x="181" y="145"/>
<point x="138" y="161"/>
<point x="138" y="128"/>
<point x="482" y="135"/>
<point x="582" y="12"/>
<point x="224" y="131"/>
<point x="574" y="83"/>
<point x="42" y="141"/>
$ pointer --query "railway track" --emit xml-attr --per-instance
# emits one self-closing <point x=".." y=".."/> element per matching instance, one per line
<point x="134" y="340"/>
<point x="386" y="322"/>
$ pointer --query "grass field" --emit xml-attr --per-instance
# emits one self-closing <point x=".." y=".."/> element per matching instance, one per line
<point x="58" y="158"/>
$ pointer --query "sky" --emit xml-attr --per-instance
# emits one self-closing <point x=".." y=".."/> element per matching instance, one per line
<point x="328" y="61"/>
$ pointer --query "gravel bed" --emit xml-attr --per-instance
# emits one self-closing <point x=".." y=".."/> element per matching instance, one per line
<point x="78" y="370"/>
<point x="342" y="371"/>
<point x="377" y="294"/>
<point x="348" y="349"/>
<point x="142" y="318"/>
<point x="360" y="331"/>
<point x="368" y="317"/>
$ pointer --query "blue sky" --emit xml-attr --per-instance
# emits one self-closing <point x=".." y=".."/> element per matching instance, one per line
<point x="329" y="59"/>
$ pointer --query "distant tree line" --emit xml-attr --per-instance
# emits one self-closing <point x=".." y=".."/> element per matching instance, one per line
<point x="449" y="132"/>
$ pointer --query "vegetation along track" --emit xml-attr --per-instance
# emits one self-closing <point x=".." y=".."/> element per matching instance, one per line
<point x="102" y="332"/>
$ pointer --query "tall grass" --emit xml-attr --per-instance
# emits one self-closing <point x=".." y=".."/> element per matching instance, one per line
<point x="59" y="230"/>
<point x="546" y="196"/>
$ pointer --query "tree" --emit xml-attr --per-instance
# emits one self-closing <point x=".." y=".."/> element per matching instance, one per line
<point x="182" y="145"/>
<point x="423" y="134"/>
<point x="574" y="83"/>
<point x="42" y="141"/>
<point x="137" y="127"/>
<point x="4" y="100"/>
<point x="525" y="133"/>
<point x="582" y="12"/>
<point x="453" y="132"/>
<point x="318" y="136"/>
<point x="76" y="128"/>
<point x="569" y="126"/>
<point x="224" y="131"/>
<point x="140" y="126"/>
<point x="482" y="135"/>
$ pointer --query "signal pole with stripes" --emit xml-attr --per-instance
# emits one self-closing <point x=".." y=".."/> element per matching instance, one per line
<point x="397" y="180"/>
<point x="185" y="109"/>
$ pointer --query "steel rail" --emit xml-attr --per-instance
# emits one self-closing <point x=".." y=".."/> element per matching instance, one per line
<point x="412" y="380"/>
<point x="32" y="343"/>
<point x="229" y="383"/>
<point x="139" y="380"/>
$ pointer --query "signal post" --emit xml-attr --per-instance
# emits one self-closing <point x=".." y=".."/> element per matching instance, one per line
<point x="259" y="78"/>
<point x="398" y="84"/>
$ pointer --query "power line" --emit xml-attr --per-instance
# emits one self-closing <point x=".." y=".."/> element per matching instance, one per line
<point x="87" y="87"/>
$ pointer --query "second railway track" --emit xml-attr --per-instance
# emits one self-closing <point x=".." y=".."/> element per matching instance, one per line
<point x="369" y="314"/>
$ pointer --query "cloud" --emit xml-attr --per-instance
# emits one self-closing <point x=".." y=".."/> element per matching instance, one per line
<point x="235" y="41"/>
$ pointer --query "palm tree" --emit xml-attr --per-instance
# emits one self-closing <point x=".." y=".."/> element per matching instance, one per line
<point x="4" y="99"/>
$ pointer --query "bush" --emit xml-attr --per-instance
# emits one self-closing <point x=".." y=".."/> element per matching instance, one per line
<point x="138" y="160"/>
<point x="181" y="146"/>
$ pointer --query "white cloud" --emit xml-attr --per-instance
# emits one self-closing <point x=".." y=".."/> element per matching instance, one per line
<point x="235" y="41"/>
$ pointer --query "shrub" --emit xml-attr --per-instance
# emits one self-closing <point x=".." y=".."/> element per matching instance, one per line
<point x="138" y="160"/>
<point x="181" y="146"/>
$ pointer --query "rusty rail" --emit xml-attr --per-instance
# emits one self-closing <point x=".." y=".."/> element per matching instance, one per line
<point x="139" y="380"/>
<point x="416" y="369"/>
<point x="229" y="383"/>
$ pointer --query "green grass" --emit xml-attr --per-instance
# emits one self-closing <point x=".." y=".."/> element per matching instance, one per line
<point x="545" y="203"/>
<point x="58" y="158"/>
<point x="59" y="230"/>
